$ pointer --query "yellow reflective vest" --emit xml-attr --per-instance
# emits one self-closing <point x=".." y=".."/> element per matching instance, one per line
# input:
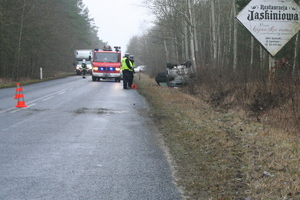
<point x="124" y="64"/>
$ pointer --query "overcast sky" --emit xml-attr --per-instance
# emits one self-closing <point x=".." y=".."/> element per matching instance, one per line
<point x="118" y="20"/>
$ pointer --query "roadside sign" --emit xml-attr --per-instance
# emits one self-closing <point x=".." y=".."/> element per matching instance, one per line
<point x="272" y="22"/>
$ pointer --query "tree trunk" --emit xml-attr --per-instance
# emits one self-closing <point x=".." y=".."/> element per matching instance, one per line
<point x="195" y="33"/>
<point x="17" y="72"/>
<point x="186" y="44"/>
<point x="192" y="38"/>
<point x="166" y="50"/>
<point x="219" y="37"/>
<point x="296" y="50"/>
<point x="213" y="25"/>
<point x="252" y="52"/>
<point x="296" y="53"/>
<point x="234" y="38"/>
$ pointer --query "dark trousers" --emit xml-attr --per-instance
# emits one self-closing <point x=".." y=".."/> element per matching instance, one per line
<point x="127" y="79"/>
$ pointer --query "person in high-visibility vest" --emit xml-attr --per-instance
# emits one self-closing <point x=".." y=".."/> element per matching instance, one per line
<point x="127" y="71"/>
<point x="131" y="59"/>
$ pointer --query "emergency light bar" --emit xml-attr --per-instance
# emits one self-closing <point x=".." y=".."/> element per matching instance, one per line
<point x="107" y="48"/>
<point x="117" y="48"/>
<point x="111" y="69"/>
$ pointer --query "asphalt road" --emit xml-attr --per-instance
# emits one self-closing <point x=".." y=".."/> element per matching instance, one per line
<point x="79" y="139"/>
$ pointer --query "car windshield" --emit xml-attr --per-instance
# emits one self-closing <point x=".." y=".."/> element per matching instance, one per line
<point x="86" y="62"/>
<point x="106" y="57"/>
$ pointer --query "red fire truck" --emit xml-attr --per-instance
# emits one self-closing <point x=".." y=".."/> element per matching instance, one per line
<point x="107" y="64"/>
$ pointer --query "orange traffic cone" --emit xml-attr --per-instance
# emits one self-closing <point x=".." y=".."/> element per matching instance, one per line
<point x="17" y="91"/>
<point x="134" y="86"/>
<point x="21" y="102"/>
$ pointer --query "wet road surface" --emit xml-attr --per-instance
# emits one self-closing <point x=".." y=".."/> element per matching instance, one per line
<point x="79" y="139"/>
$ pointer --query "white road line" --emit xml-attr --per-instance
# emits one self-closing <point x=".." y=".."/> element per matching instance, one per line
<point x="14" y="111"/>
<point x="18" y="109"/>
<point x="63" y="92"/>
<point x="7" y="110"/>
<point x="28" y="106"/>
<point x="46" y="99"/>
<point x="52" y="94"/>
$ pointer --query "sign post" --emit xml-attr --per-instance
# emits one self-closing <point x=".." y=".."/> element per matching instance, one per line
<point x="41" y="73"/>
<point x="272" y="22"/>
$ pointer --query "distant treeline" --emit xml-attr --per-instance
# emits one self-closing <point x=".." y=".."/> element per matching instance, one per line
<point x="43" y="33"/>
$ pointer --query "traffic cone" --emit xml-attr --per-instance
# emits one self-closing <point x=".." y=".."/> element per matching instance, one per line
<point x="17" y="95"/>
<point x="21" y="101"/>
<point x="134" y="86"/>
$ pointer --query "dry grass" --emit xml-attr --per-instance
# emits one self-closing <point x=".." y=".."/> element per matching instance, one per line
<point x="6" y="83"/>
<point x="222" y="154"/>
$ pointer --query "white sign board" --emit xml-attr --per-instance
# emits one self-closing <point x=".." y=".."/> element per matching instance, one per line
<point x="272" y="22"/>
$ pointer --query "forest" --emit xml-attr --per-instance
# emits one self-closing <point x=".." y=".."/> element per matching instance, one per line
<point x="43" y="34"/>
<point x="232" y="68"/>
<point x="208" y="33"/>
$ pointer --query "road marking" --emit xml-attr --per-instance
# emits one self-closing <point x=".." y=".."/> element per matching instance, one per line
<point x="7" y="110"/>
<point x="14" y="110"/>
<point x="63" y="92"/>
<point x="46" y="99"/>
<point x="52" y="94"/>
<point x="28" y="106"/>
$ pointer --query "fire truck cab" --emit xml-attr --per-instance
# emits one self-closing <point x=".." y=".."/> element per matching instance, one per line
<point x="106" y="64"/>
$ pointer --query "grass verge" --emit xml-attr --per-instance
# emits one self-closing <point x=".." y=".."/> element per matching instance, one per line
<point x="7" y="83"/>
<point x="220" y="154"/>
